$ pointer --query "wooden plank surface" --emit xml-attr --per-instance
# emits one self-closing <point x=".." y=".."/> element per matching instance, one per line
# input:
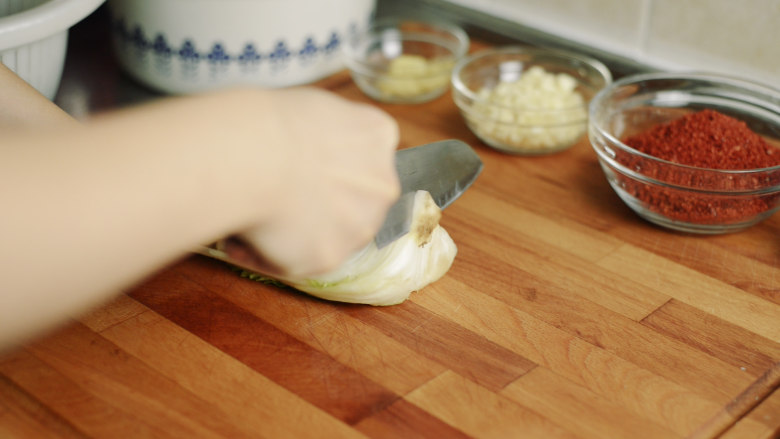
<point x="563" y="316"/>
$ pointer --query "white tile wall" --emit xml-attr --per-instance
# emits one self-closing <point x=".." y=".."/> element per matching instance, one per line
<point x="607" y="23"/>
<point x="738" y="37"/>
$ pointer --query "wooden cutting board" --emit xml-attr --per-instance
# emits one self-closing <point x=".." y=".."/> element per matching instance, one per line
<point x="564" y="315"/>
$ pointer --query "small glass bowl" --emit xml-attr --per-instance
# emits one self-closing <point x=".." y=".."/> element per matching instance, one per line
<point x="531" y="121"/>
<point x="679" y="197"/>
<point x="405" y="61"/>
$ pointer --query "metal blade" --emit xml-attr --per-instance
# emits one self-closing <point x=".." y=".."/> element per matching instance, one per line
<point x="445" y="169"/>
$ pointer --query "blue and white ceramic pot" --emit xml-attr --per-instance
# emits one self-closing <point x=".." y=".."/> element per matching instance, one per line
<point x="188" y="46"/>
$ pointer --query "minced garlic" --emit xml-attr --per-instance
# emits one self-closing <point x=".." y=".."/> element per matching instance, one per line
<point x="539" y="112"/>
<point x="409" y="76"/>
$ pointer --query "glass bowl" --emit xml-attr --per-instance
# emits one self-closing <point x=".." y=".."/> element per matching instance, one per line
<point x="525" y="100"/>
<point x="673" y="195"/>
<point x="405" y="61"/>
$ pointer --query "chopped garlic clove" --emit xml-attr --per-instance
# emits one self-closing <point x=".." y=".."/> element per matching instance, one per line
<point x="414" y="75"/>
<point x="539" y="111"/>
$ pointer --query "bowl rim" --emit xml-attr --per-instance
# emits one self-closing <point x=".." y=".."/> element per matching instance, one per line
<point x="356" y="63"/>
<point x="745" y="84"/>
<point x="459" y="87"/>
<point x="42" y="21"/>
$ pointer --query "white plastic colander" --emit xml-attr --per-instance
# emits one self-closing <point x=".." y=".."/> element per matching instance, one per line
<point x="34" y="38"/>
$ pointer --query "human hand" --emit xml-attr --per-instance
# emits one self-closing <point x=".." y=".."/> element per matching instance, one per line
<point x="305" y="175"/>
<point x="338" y="181"/>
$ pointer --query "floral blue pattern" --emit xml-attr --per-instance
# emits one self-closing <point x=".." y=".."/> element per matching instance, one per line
<point x="333" y="43"/>
<point x="218" y="55"/>
<point x="249" y="55"/>
<point x="309" y="49"/>
<point x="280" y="54"/>
<point x="137" y="37"/>
<point x="188" y="51"/>
<point x="161" y="47"/>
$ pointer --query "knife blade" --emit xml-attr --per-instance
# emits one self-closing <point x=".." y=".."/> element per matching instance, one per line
<point x="445" y="169"/>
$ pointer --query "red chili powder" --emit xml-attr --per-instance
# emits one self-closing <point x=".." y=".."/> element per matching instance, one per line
<point x="707" y="139"/>
<point x="704" y="139"/>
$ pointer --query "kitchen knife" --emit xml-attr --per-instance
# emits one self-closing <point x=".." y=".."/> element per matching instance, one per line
<point x="445" y="169"/>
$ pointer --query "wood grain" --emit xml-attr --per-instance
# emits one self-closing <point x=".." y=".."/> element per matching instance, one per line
<point x="564" y="315"/>
<point x="736" y="409"/>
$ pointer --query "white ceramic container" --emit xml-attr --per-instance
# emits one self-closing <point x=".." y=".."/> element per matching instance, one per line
<point x="34" y="38"/>
<point x="189" y="46"/>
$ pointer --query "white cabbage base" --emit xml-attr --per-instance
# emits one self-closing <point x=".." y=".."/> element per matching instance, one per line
<point x="389" y="275"/>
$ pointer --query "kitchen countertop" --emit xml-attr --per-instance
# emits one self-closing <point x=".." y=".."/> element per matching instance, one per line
<point x="563" y="315"/>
